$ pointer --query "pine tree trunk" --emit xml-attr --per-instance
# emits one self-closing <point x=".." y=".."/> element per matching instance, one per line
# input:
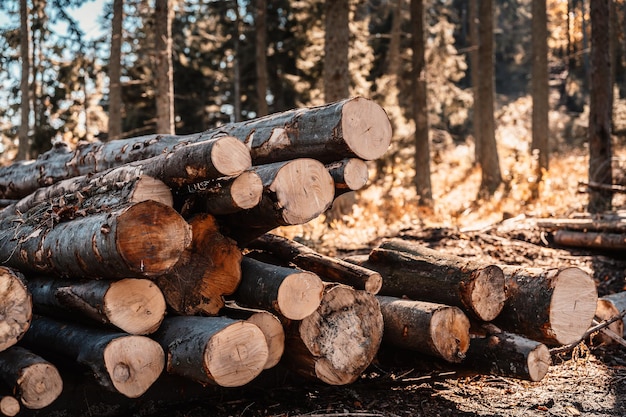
<point x="115" y="70"/>
<point x="336" y="46"/>
<point x="23" y="151"/>
<point x="260" y="30"/>
<point x="16" y="307"/>
<point x="539" y="85"/>
<point x="163" y="15"/>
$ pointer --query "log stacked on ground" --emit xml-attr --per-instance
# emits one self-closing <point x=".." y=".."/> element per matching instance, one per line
<point x="601" y="232"/>
<point x="16" y="307"/>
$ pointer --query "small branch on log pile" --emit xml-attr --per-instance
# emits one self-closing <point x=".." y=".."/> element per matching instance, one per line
<point x="430" y="328"/>
<point x="339" y="340"/>
<point x="135" y="240"/>
<point x="591" y="240"/>
<point x="133" y="305"/>
<point x="295" y="192"/>
<point x="215" y="350"/>
<point x="553" y="306"/>
<point x="419" y="273"/>
<point x="594" y="329"/>
<point x="289" y="292"/>
<point x="207" y="270"/>
<point x="350" y="174"/>
<point x="35" y="381"/>
<point x="128" y="364"/>
<point x="329" y="268"/>
<point x="9" y="406"/>
<point x="612" y="305"/>
<point x="16" y="307"/>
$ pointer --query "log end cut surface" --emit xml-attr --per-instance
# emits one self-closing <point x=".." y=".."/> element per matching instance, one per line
<point x="274" y="333"/>
<point x="247" y="190"/>
<point x="606" y="309"/>
<point x="133" y="363"/>
<point x="40" y="384"/>
<point x="15" y="308"/>
<point x="136" y="306"/>
<point x="9" y="406"/>
<point x="488" y="293"/>
<point x="449" y="331"/>
<point x="149" y="188"/>
<point x="366" y="128"/>
<point x="236" y="354"/>
<point x="299" y="295"/>
<point x="230" y="156"/>
<point x="355" y="174"/>
<point x="573" y="305"/>
<point x="539" y="361"/>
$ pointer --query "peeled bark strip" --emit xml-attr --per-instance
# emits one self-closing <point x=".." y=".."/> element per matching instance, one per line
<point x="434" y="329"/>
<point x="16" y="308"/>
<point x="133" y="305"/>
<point x="610" y="306"/>
<point x="128" y="364"/>
<point x="553" y="306"/>
<point x="290" y="292"/>
<point x="509" y="355"/>
<point x="215" y="350"/>
<point x="207" y="270"/>
<point x="135" y="240"/>
<point x="295" y="192"/>
<point x="350" y="174"/>
<point x="9" y="406"/>
<point x="329" y="268"/>
<point x="339" y="340"/>
<point x="35" y="381"/>
<point x="420" y="273"/>
<point x="591" y="240"/>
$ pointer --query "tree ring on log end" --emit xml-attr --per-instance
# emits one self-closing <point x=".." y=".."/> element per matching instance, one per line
<point x="9" y="406"/>
<point x="488" y="293"/>
<point x="247" y="190"/>
<point x="366" y="128"/>
<point x="299" y="295"/>
<point x="356" y="174"/>
<point x="449" y="330"/>
<point x="539" y="361"/>
<point x="40" y="384"/>
<point x="136" y="306"/>
<point x="230" y="156"/>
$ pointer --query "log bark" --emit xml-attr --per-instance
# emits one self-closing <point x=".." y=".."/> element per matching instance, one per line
<point x="550" y="305"/>
<point x="128" y="364"/>
<point x="294" y="192"/>
<point x="600" y="224"/>
<point x="339" y="340"/>
<point x="33" y="380"/>
<point x="213" y="350"/>
<point x="16" y="308"/>
<point x="135" y="306"/>
<point x="591" y="240"/>
<point x="434" y="329"/>
<point x="331" y="269"/>
<point x="350" y="174"/>
<point x="269" y="324"/>
<point x="420" y="273"/>
<point x="207" y="270"/>
<point x="289" y="292"/>
<point x="610" y="306"/>
<point x="9" y="406"/>
<point x="135" y="240"/>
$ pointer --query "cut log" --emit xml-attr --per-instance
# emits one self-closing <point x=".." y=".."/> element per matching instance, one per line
<point x="289" y="292"/>
<point x="608" y="307"/>
<point x="208" y="269"/>
<point x="419" y="273"/>
<point x="550" y="305"/>
<point x="135" y="240"/>
<point x="294" y="192"/>
<point x="434" y="329"/>
<point x="16" y="308"/>
<point x="350" y="174"/>
<point x="269" y="324"/>
<point x="591" y="240"/>
<point x="509" y="355"/>
<point x="133" y="305"/>
<point x="35" y="381"/>
<point x="600" y="224"/>
<point x="128" y="364"/>
<point x="328" y="268"/>
<point x="213" y="350"/>
<point x="339" y="340"/>
<point x="9" y="406"/>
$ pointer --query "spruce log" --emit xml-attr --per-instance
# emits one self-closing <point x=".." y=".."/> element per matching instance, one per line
<point x="350" y="174"/>
<point x="509" y="355"/>
<point x="339" y="340"/>
<point x="134" y="240"/>
<point x="35" y="381"/>
<point x="591" y="240"/>
<point x="289" y="292"/>
<point x="16" y="308"/>
<point x="328" y="268"/>
<point x="434" y="329"/>
<point x="550" y="305"/>
<point x="213" y="350"/>
<point x="608" y="307"/>
<point x="9" y="405"/>
<point x="419" y="273"/>
<point x="128" y="364"/>
<point x="133" y="305"/>
<point x="294" y="192"/>
<point x="207" y="270"/>
<point x="269" y="324"/>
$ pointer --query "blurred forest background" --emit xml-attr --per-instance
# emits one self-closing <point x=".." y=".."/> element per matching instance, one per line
<point x="499" y="108"/>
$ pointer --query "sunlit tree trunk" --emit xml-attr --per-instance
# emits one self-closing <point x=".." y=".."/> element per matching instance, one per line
<point x="539" y="86"/>
<point x="420" y="108"/>
<point x="472" y="16"/>
<point x="336" y="48"/>
<point x="24" y="145"/>
<point x="261" y="56"/>
<point x="164" y="70"/>
<point x="115" y="88"/>
<point x="600" y="107"/>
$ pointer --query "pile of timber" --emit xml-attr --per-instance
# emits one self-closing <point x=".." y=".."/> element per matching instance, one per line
<point x="145" y="259"/>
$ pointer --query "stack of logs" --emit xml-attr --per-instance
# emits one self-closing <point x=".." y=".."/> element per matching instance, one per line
<point x="143" y="258"/>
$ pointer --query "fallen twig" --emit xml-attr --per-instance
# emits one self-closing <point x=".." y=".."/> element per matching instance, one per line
<point x="602" y="325"/>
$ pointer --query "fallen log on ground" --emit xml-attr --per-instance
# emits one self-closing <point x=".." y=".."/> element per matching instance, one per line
<point x="339" y="340"/>
<point x="16" y="307"/>
<point x="329" y="268"/>
<point x="610" y="306"/>
<point x="600" y="224"/>
<point x="591" y="240"/>
<point x="420" y="273"/>
<point x="434" y="329"/>
<point x="213" y="350"/>
<point x="134" y="240"/>
<point x="550" y="305"/>
<point x="133" y="305"/>
<point x="33" y="380"/>
<point x="128" y="364"/>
